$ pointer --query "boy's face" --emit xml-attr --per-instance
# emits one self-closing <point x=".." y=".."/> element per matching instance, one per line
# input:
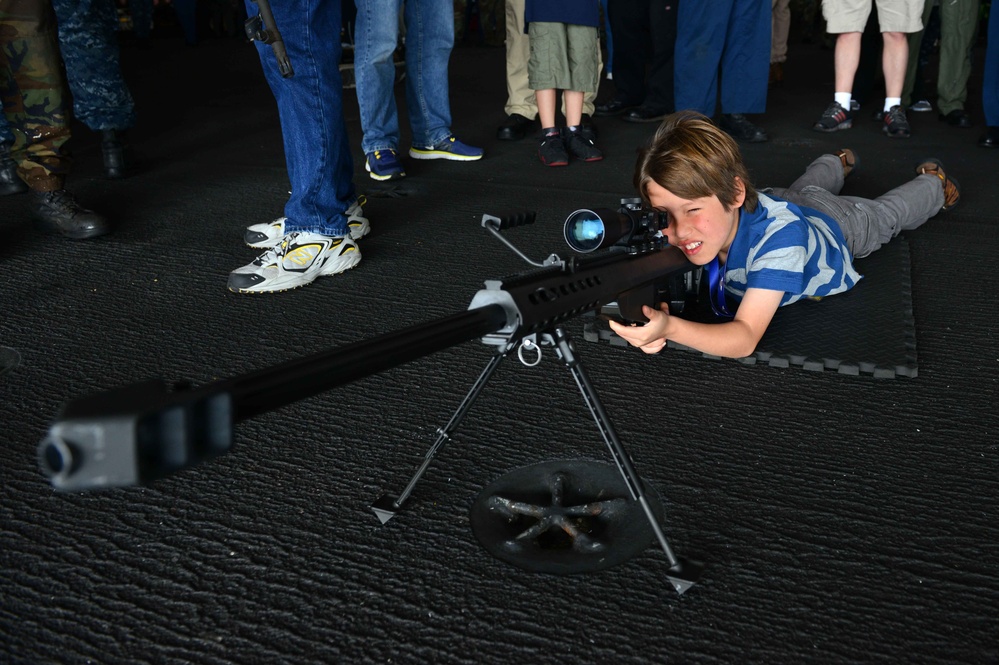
<point x="702" y="228"/>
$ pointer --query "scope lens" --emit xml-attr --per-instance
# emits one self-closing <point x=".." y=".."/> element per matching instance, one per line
<point x="584" y="231"/>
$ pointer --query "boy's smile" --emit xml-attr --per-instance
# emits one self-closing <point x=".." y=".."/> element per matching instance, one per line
<point x="702" y="228"/>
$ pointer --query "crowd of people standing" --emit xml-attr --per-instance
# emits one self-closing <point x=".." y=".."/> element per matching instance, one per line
<point x="718" y="59"/>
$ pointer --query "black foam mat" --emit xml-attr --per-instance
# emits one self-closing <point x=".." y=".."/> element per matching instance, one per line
<point x="868" y="330"/>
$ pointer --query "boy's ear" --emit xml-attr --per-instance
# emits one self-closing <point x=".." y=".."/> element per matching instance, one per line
<point x="740" y="192"/>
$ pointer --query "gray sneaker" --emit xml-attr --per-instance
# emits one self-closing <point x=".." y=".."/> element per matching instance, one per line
<point x="296" y="261"/>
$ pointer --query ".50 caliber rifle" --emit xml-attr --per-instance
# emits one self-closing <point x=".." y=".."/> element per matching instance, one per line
<point x="138" y="433"/>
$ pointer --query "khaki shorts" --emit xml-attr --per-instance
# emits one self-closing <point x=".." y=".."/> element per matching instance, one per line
<point x="893" y="15"/>
<point x="563" y="57"/>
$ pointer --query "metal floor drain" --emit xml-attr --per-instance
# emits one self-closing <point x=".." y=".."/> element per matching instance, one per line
<point x="562" y="517"/>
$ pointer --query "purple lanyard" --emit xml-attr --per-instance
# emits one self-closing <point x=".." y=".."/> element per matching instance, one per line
<point x="716" y="289"/>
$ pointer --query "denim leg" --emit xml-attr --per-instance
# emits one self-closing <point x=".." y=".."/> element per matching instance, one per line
<point x="745" y="64"/>
<point x="310" y="105"/>
<point x="88" y="40"/>
<point x="825" y="172"/>
<point x="702" y="29"/>
<point x="376" y="35"/>
<point x="868" y="224"/>
<point x="429" y="40"/>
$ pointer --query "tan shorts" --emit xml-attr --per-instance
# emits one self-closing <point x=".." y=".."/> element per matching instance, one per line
<point x="563" y="57"/>
<point x="893" y="15"/>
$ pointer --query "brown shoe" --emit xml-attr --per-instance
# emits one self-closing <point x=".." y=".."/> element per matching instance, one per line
<point x="951" y="188"/>
<point x="849" y="159"/>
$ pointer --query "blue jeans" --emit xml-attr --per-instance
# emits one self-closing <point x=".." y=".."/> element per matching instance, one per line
<point x="429" y="40"/>
<point x="732" y="36"/>
<point x="310" y="105"/>
<point x="867" y="224"/>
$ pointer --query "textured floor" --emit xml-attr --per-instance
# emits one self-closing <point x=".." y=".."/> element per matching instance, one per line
<point x="841" y="519"/>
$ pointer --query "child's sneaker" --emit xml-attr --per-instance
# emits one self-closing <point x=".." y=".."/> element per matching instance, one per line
<point x="922" y="106"/>
<point x="834" y="118"/>
<point x="450" y="148"/>
<point x="383" y="165"/>
<point x="269" y="234"/>
<point x="896" y="124"/>
<point x="582" y="148"/>
<point x="951" y="188"/>
<point x="552" y="150"/>
<point x="296" y="261"/>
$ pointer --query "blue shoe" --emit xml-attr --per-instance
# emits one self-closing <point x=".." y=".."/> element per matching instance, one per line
<point x="450" y="148"/>
<point x="383" y="165"/>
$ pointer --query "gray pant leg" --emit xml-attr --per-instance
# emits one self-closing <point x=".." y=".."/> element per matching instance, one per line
<point x="866" y="224"/>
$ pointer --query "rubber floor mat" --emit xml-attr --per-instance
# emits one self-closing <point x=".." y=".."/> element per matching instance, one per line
<point x="868" y="330"/>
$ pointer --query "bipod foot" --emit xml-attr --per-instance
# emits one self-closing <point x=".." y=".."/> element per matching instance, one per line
<point x="385" y="507"/>
<point x="684" y="574"/>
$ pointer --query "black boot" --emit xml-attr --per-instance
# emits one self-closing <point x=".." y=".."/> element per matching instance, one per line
<point x="10" y="182"/>
<point x="115" y="159"/>
<point x="59" y="211"/>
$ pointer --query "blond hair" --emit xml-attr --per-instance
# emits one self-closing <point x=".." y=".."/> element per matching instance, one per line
<point x="690" y="157"/>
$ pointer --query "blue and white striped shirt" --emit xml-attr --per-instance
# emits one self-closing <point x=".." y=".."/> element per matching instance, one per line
<point x="784" y="247"/>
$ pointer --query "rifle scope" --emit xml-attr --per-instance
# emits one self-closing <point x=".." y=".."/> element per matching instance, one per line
<point x="588" y="230"/>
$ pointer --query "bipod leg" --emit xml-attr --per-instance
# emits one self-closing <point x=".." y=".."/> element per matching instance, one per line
<point x="682" y="574"/>
<point x="385" y="507"/>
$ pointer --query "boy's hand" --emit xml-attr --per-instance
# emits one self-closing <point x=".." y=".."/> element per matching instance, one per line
<point x="650" y="338"/>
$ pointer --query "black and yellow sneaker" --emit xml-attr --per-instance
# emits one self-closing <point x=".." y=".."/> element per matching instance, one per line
<point x="297" y="260"/>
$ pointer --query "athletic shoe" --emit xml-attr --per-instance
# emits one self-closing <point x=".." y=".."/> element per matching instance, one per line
<point x="269" y="234"/>
<point x="833" y="119"/>
<point x="383" y="165"/>
<point x="297" y="260"/>
<point x="922" y="106"/>
<point x="581" y="147"/>
<point x="552" y="150"/>
<point x="951" y="188"/>
<point x="896" y="124"/>
<point x="450" y="148"/>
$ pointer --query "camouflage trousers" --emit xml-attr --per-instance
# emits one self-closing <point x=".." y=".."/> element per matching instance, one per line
<point x="35" y="105"/>
<point x="88" y="41"/>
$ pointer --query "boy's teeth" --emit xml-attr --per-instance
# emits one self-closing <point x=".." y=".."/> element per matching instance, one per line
<point x="692" y="245"/>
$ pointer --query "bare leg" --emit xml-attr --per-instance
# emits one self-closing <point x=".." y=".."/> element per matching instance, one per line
<point x="847" y="59"/>
<point x="894" y="59"/>
<point x="546" y="107"/>
<point x="573" y="107"/>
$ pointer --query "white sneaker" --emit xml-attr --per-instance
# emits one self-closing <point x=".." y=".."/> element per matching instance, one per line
<point x="295" y="261"/>
<point x="269" y="234"/>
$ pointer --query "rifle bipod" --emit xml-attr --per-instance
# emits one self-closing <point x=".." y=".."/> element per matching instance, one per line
<point x="682" y="573"/>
